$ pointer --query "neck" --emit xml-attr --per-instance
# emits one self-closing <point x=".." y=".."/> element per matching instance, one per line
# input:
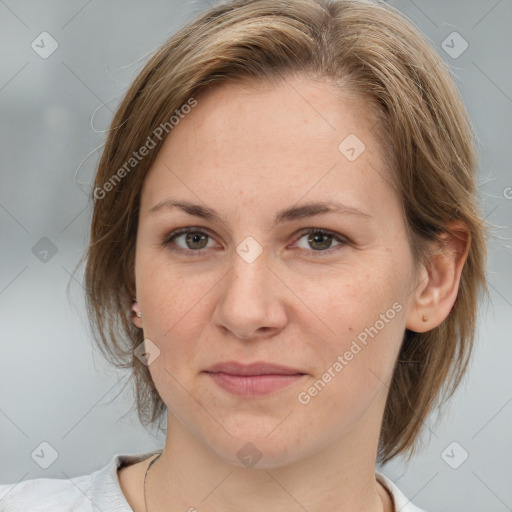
<point x="338" y="478"/>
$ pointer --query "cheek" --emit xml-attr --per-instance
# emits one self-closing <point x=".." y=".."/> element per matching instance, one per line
<point x="355" y="370"/>
<point x="170" y="307"/>
<point x="170" y="294"/>
<point x="362" y="324"/>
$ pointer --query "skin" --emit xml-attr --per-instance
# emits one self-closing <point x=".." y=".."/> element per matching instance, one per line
<point x="248" y="151"/>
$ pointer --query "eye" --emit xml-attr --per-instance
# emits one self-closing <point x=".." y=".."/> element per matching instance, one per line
<point x="195" y="240"/>
<point x="320" y="240"/>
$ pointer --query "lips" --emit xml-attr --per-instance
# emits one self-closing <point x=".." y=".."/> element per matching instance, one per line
<point x="252" y="380"/>
<point x="257" y="368"/>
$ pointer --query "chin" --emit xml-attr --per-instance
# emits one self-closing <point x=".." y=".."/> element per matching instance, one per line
<point x="257" y="450"/>
<point x="258" y="455"/>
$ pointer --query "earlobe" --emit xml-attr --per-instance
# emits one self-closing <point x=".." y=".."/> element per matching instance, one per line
<point x="136" y="315"/>
<point x="437" y="291"/>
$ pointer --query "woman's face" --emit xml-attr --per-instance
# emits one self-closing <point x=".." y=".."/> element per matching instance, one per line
<point x="332" y="306"/>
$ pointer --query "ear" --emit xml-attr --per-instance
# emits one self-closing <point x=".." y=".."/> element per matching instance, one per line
<point x="437" y="290"/>
<point x="137" y="320"/>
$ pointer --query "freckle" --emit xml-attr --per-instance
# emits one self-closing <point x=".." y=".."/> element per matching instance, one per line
<point x="350" y="329"/>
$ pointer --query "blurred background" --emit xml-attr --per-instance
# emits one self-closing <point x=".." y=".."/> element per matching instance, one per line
<point x="65" y="67"/>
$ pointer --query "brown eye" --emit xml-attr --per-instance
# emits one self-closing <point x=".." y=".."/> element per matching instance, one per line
<point x="195" y="240"/>
<point x="320" y="240"/>
<point x="190" y="240"/>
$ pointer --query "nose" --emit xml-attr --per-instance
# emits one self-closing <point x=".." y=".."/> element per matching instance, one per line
<point x="251" y="300"/>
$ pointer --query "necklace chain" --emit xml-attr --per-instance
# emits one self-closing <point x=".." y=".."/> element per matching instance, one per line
<point x="146" y="477"/>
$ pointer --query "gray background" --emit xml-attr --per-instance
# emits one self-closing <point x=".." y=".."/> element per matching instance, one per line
<point x="55" y="388"/>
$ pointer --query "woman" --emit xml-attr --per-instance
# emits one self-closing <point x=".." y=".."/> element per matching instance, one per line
<point x="286" y="249"/>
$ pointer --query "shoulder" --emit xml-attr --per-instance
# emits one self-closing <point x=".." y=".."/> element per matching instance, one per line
<point x="401" y="502"/>
<point x="47" y="494"/>
<point x="86" y="493"/>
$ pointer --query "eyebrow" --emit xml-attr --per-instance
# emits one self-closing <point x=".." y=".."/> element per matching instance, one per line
<point x="289" y="214"/>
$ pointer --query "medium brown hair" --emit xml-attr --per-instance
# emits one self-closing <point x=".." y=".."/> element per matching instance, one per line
<point x="423" y="129"/>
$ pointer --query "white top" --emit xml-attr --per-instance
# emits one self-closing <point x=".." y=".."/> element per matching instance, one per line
<point x="101" y="490"/>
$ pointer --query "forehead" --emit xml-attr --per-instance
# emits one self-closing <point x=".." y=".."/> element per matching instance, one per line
<point x="297" y="113"/>
<point x="252" y="139"/>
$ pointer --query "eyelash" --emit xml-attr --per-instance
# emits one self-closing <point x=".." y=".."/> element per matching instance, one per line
<point x="171" y="236"/>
